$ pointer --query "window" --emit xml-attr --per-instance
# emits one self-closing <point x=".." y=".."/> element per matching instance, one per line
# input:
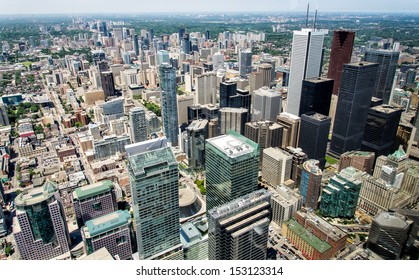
<point x="121" y="240"/>
<point x="97" y="206"/>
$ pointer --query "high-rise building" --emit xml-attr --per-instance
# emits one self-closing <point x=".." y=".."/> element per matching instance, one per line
<point x="276" y="166"/>
<point x="267" y="104"/>
<point x="245" y="62"/>
<point x="137" y="124"/>
<point x="108" y="84"/>
<point x="227" y="90"/>
<point x="357" y="85"/>
<point x="3" y="225"/>
<point x="186" y="44"/>
<point x="112" y="231"/>
<point x="231" y="163"/>
<point x="387" y="61"/>
<point x="4" y="119"/>
<point x="93" y="201"/>
<point x="363" y="161"/>
<point x="110" y="145"/>
<point x="232" y="118"/>
<point x="298" y="158"/>
<point x="381" y="129"/>
<point x="196" y="134"/>
<point x="316" y="94"/>
<point x="340" y="196"/>
<point x="163" y="57"/>
<point x="291" y="124"/>
<point x="152" y="122"/>
<point x="238" y="230"/>
<point x="40" y="227"/>
<point x="169" y="102"/>
<point x="314" y="134"/>
<point x="388" y="235"/>
<point x="265" y="133"/>
<point x="154" y="177"/>
<point x="183" y="102"/>
<point x="310" y="186"/>
<point x="340" y="53"/>
<point x="266" y="71"/>
<point x="284" y="202"/>
<point x="136" y="45"/>
<point x="306" y="61"/>
<point x="206" y="88"/>
<point x="242" y="99"/>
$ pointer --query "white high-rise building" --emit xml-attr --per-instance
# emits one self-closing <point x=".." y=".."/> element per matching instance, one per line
<point x="306" y="62"/>
<point x="206" y="88"/>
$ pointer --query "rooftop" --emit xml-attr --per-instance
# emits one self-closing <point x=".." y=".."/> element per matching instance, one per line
<point x="359" y="153"/>
<point x="99" y="255"/>
<point x="318" y="80"/>
<point x="316" y="116"/>
<point x="189" y="234"/>
<point x="92" y="190"/>
<point x="388" y="109"/>
<point x="391" y="220"/>
<point x="36" y="195"/>
<point x="106" y="223"/>
<point x="312" y="166"/>
<point x="197" y="125"/>
<point x="318" y="244"/>
<point x="234" y="145"/>
<point x="153" y="160"/>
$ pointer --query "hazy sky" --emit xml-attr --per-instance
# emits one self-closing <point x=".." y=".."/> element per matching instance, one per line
<point x="144" y="6"/>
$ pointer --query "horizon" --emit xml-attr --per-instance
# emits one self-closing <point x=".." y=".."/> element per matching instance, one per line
<point x="47" y="7"/>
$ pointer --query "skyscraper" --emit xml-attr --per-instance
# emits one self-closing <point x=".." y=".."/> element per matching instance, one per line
<point x="108" y="84"/>
<point x="238" y="230"/>
<point x="137" y="124"/>
<point x="186" y="44"/>
<point x="112" y="231"/>
<point x="388" y="235"/>
<point x="245" y="62"/>
<point x="310" y="186"/>
<point x="154" y="177"/>
<point x="163" y="57"/>
<point x="40" y="227"/>
<point x="266" y="104"/>
<point x="93" y="201"/>
<point x="357" y="86"/>
<point x="314" y="136"/>
<point x="266" y="71"/>
<point x="316" y="95"/>
<point x="231" y="168"/>
<point x="206" y="88"/>
<point x="196" y="133"/>
<point x="232" y="119"/>
<point x="136" y="45"/>
<point x="291" y="124"/>
<point x="4" y="119"/>
<point x="227" y="89"/>
<point x="381" y="129"/>
<point x="306" y="61"/>
<point x="276" y="166"/>
<point x="169" y="102"/>
<point x="387" y="61"/>
<point x="340" y="196"/>
<point x="340" y="53"/>
<point x="265" y="133"/>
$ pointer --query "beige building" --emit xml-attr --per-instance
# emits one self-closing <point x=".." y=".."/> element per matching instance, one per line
<point x="90" y="97"/>
<point x="276" y="166"/>
<point x="291" y="133"/>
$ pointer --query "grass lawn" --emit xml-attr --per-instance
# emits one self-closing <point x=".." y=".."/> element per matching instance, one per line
<point x="27" y="64"/>
<point x="330" y="160"/>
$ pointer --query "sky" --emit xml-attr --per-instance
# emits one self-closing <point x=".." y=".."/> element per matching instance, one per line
<point x="176" y="6"/>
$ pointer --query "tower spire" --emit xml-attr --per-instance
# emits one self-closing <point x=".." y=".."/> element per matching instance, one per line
<point x="308" y="9"/>
<point x="315" y="20"/>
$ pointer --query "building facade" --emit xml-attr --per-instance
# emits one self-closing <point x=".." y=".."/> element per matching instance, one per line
<point x="169" y="102"/>
<point x="238" y="230"/>
<point x="231" y="166"/>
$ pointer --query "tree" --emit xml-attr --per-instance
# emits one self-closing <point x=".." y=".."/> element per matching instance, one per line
<point x="78" y="124"/>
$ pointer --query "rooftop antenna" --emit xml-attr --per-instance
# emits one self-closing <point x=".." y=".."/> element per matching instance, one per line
<point x="315" y="21"/>
<point x="308" y="9"/>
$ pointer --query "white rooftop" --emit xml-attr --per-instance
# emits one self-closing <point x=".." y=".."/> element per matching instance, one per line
<point x="231" y="146"/>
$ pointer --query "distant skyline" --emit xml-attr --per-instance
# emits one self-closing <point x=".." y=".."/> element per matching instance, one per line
<point x="170" y="6"/>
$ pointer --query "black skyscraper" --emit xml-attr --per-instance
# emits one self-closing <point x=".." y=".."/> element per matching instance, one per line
<point x="356" y="88"/>
<point x="316" y="94"/>
<point x="227" y="90"/>
<point x="314" y="133"/>
<point x="380" y="129"/>
<point x="186" y="44"/>
<point x="387" y="61"/>
<point x="108" y="84"/>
